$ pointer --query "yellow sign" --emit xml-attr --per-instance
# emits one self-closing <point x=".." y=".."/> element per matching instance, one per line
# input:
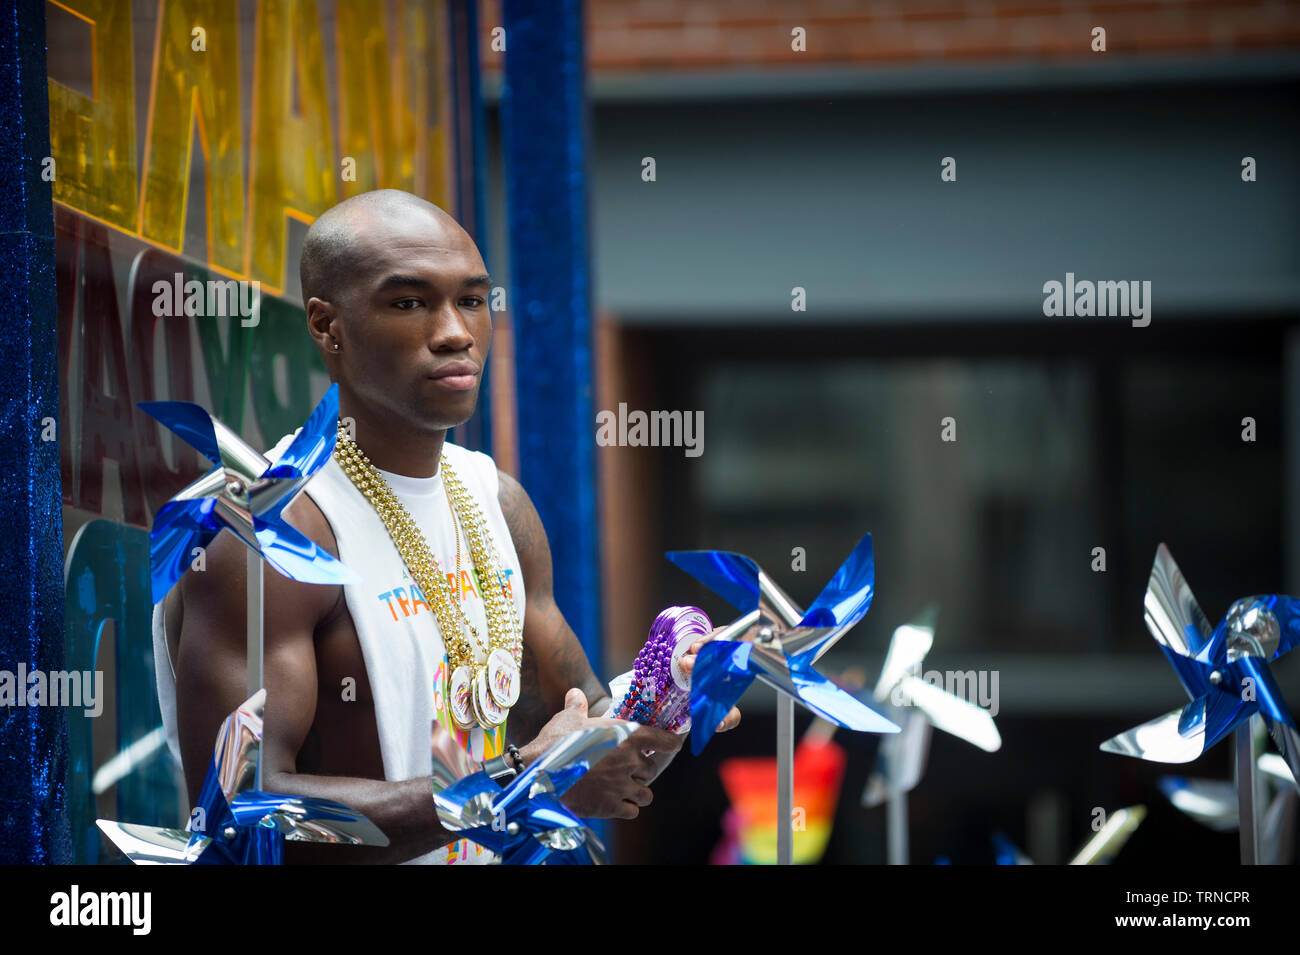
<point x="284" y="133"/>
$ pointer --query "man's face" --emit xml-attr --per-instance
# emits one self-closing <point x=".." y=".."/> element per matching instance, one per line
<point x="416" y="310"/>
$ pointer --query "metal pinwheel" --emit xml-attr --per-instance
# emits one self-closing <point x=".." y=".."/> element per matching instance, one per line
<point x="245" y="494"/>
<point x="525" y="823"/>
<point x="776" y="642"/>
<point x="1225" y="670"/>
<point x="916" y="705"/>
<point x="234" y="823"/>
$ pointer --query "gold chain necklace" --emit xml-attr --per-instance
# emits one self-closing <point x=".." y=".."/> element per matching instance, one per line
<point x="478" y="692"/>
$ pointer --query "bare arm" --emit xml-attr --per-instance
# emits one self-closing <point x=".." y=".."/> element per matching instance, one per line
<point x="210" y="679"/>
<point x="555" y="668"/>
<point x="553" y="659"/>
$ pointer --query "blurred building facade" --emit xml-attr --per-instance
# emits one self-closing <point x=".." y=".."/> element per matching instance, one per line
<point x="815" y="161"/>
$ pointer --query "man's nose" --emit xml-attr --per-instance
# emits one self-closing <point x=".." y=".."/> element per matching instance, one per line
<point x="451" y="329"/>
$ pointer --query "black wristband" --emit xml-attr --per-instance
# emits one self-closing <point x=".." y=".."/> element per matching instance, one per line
<point x="513" y="751"/>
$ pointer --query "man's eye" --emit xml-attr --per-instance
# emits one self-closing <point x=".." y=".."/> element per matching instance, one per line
<point x="406" y="304"/>
<point x="473" y="301"/>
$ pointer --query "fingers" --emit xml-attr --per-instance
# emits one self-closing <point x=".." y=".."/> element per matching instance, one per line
<point x="650" y="759"/>
<point x="576" y="700"/>
<point x="730" y="721"/>
<point x="712" y="635"/>
<point x="634" y="801"/>
<point x="687" y="661"/>
<point x="651" y="737"/>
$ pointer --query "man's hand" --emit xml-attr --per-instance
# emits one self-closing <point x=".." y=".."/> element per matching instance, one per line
<point x="687" y="663"/>
<point x="618" y="786"/>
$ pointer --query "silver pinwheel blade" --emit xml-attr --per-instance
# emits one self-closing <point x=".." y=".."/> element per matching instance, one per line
<point x="907" y="649"/>
<point x="1287" y="741"/>
<point x="1274" y="766"/>
<point x="596" y="849"/>
<point x="302" y="819"/>
<point x="239" y="746"/>
<point x="1158" y="740"/>
<point x="952" y="714"/>
<point x="901" y="760"/>
<point x="1102" y="848"/>
<point x="153" y="845"/>
<point x="589" y="746"/>
<point x="1211" y="802"/>
<point x="1172" y="614"/>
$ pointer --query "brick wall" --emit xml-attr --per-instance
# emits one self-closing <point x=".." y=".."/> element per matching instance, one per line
<point x="650" y="35"/>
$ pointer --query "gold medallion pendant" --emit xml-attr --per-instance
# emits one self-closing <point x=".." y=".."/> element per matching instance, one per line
<point x="487" y="707"/>
<point x="460" y="698"/>
<point x="503" y="678"/>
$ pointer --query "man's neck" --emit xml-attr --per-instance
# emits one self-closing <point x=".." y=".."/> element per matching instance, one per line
<point x="393" y="449"/>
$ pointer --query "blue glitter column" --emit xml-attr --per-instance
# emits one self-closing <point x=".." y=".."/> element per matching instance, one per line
<point x="543" y="121"/>
<point x="471" y="184"/>
<point x="33" y="739"/>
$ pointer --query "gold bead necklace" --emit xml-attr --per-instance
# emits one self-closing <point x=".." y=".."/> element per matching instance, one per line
<point x="478" y="693"/>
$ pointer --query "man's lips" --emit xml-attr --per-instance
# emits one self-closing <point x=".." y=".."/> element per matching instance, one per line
<point x="457" y="375"/>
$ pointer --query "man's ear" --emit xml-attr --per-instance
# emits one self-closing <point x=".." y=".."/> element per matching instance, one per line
<point x="321" y="323"/>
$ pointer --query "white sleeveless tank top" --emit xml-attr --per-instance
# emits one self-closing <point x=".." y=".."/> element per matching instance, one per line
<point x="406" y="659"/>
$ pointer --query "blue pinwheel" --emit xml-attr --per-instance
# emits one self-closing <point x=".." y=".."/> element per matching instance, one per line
<point x="775" y="642"/>
<point x="235" y="824"/>
<point x="525" y="823"/>
<point x="245" y="494"/>
<point x="1225" y="670"/>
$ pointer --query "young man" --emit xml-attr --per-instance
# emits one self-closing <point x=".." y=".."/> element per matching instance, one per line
<point x="397" y="300"/>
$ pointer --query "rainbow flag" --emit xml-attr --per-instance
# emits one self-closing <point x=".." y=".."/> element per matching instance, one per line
<point x="749" y="826"/>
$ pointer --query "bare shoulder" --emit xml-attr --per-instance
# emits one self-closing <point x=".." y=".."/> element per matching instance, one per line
<point x="531" y="545"/>
<point x="517" y="507"/>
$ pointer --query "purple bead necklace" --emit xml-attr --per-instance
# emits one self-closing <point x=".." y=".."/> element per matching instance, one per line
<point x="660" y="693"/>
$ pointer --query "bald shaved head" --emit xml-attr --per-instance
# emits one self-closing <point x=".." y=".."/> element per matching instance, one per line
<point x="396" y="295"/>
<point x="330" y="251"/>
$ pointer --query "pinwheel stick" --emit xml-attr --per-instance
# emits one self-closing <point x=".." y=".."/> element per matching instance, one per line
<point x="255" y="637"/>
<point x="896" y="826"/>
<point x="784" y="779"/>
<point x="1247" y="773"/>
<point x="790" y="614"/>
